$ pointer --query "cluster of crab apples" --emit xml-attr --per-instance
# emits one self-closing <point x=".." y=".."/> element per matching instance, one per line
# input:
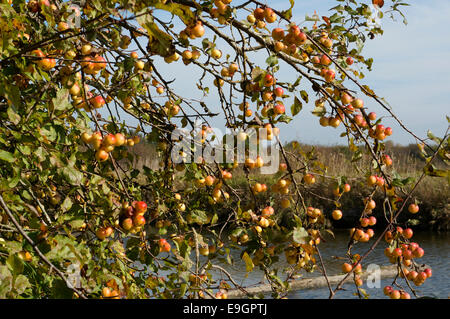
<point x="402" y="250"/>
<point x="261" y="16"/>
<point x="131" y="218"/>
<point x="104" y="145"/>
<point x="111" y="290"/>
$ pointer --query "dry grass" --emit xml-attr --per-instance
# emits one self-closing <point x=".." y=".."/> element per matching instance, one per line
<point x="432" y="193"/>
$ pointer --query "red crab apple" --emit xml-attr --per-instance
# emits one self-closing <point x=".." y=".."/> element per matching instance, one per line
<point x="268" y="80"/>
<point x="98" y="101"/>
<point x="379" y="3"/>
<point x="279" y="92"/>
<point x="387" y="290"/>
<point x="408" y="233"/>
<point x="164" y="246"/>
<point x="418" y="253"/>
<point x="329" y="75"/>
<point x="300" y="38"/>
<point x="140" y="207"/>
<point x="388" y="131"/>
<point x="259" y="13"/>
<point x="279" y="109"/>
<point x="294" y="30"/>
<point x="349" y="60"/>
<point x="315" y="60"/>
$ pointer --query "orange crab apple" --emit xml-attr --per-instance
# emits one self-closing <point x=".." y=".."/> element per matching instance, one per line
<point x="372" y="180"/>
<point x="278" y="34"/>
<point x="334" y="122"/>
<point x="138" y="220"/>
<point x="309" y="178"/>
<point x="101" y="155"/>
<point x="109" y="139"/>
<point x="198" y="30"/>
<point x="325" y="60"/>
<point x="267" y="212"/>
<point x="127" y="223"/>
<point x="413" y="208"/>
<point x="346" y="188"/>
<point x="336" y="214"/>
<point x="100" y="62"/>
<point x="346" y="268"/>
<point x="120" y="139"/>
<point x="270" y="15"/>
<point x="324" y="121"/>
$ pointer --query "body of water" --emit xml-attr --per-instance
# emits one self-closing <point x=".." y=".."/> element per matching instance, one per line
<point x="436" y="246"/>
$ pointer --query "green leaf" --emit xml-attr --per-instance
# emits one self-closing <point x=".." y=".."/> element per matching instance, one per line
<point x="272" y="60"/>
<point x="284" y="118"/>
<point x="13" y="116"/>
<point x="6" y="156"/>
<point x="61" y="101"/>
<point x="67" y="204"/>
<point x="304" y="96"/>
<point x="248" y="262"/>
<point x="300" y="235"/>
<point x="6" y="279"/>
<point x="15" y="264"/>
<point x="296" y="107"/>
<point x="72" y="175"/>
<point x="21" y="283"/>
<point x="199" y="216"/>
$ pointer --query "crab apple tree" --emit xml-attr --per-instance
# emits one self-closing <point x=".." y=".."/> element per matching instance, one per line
<point x="85" y="101"/>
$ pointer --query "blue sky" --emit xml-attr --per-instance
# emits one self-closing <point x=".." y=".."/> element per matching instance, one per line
<point x="411" y="71"/>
